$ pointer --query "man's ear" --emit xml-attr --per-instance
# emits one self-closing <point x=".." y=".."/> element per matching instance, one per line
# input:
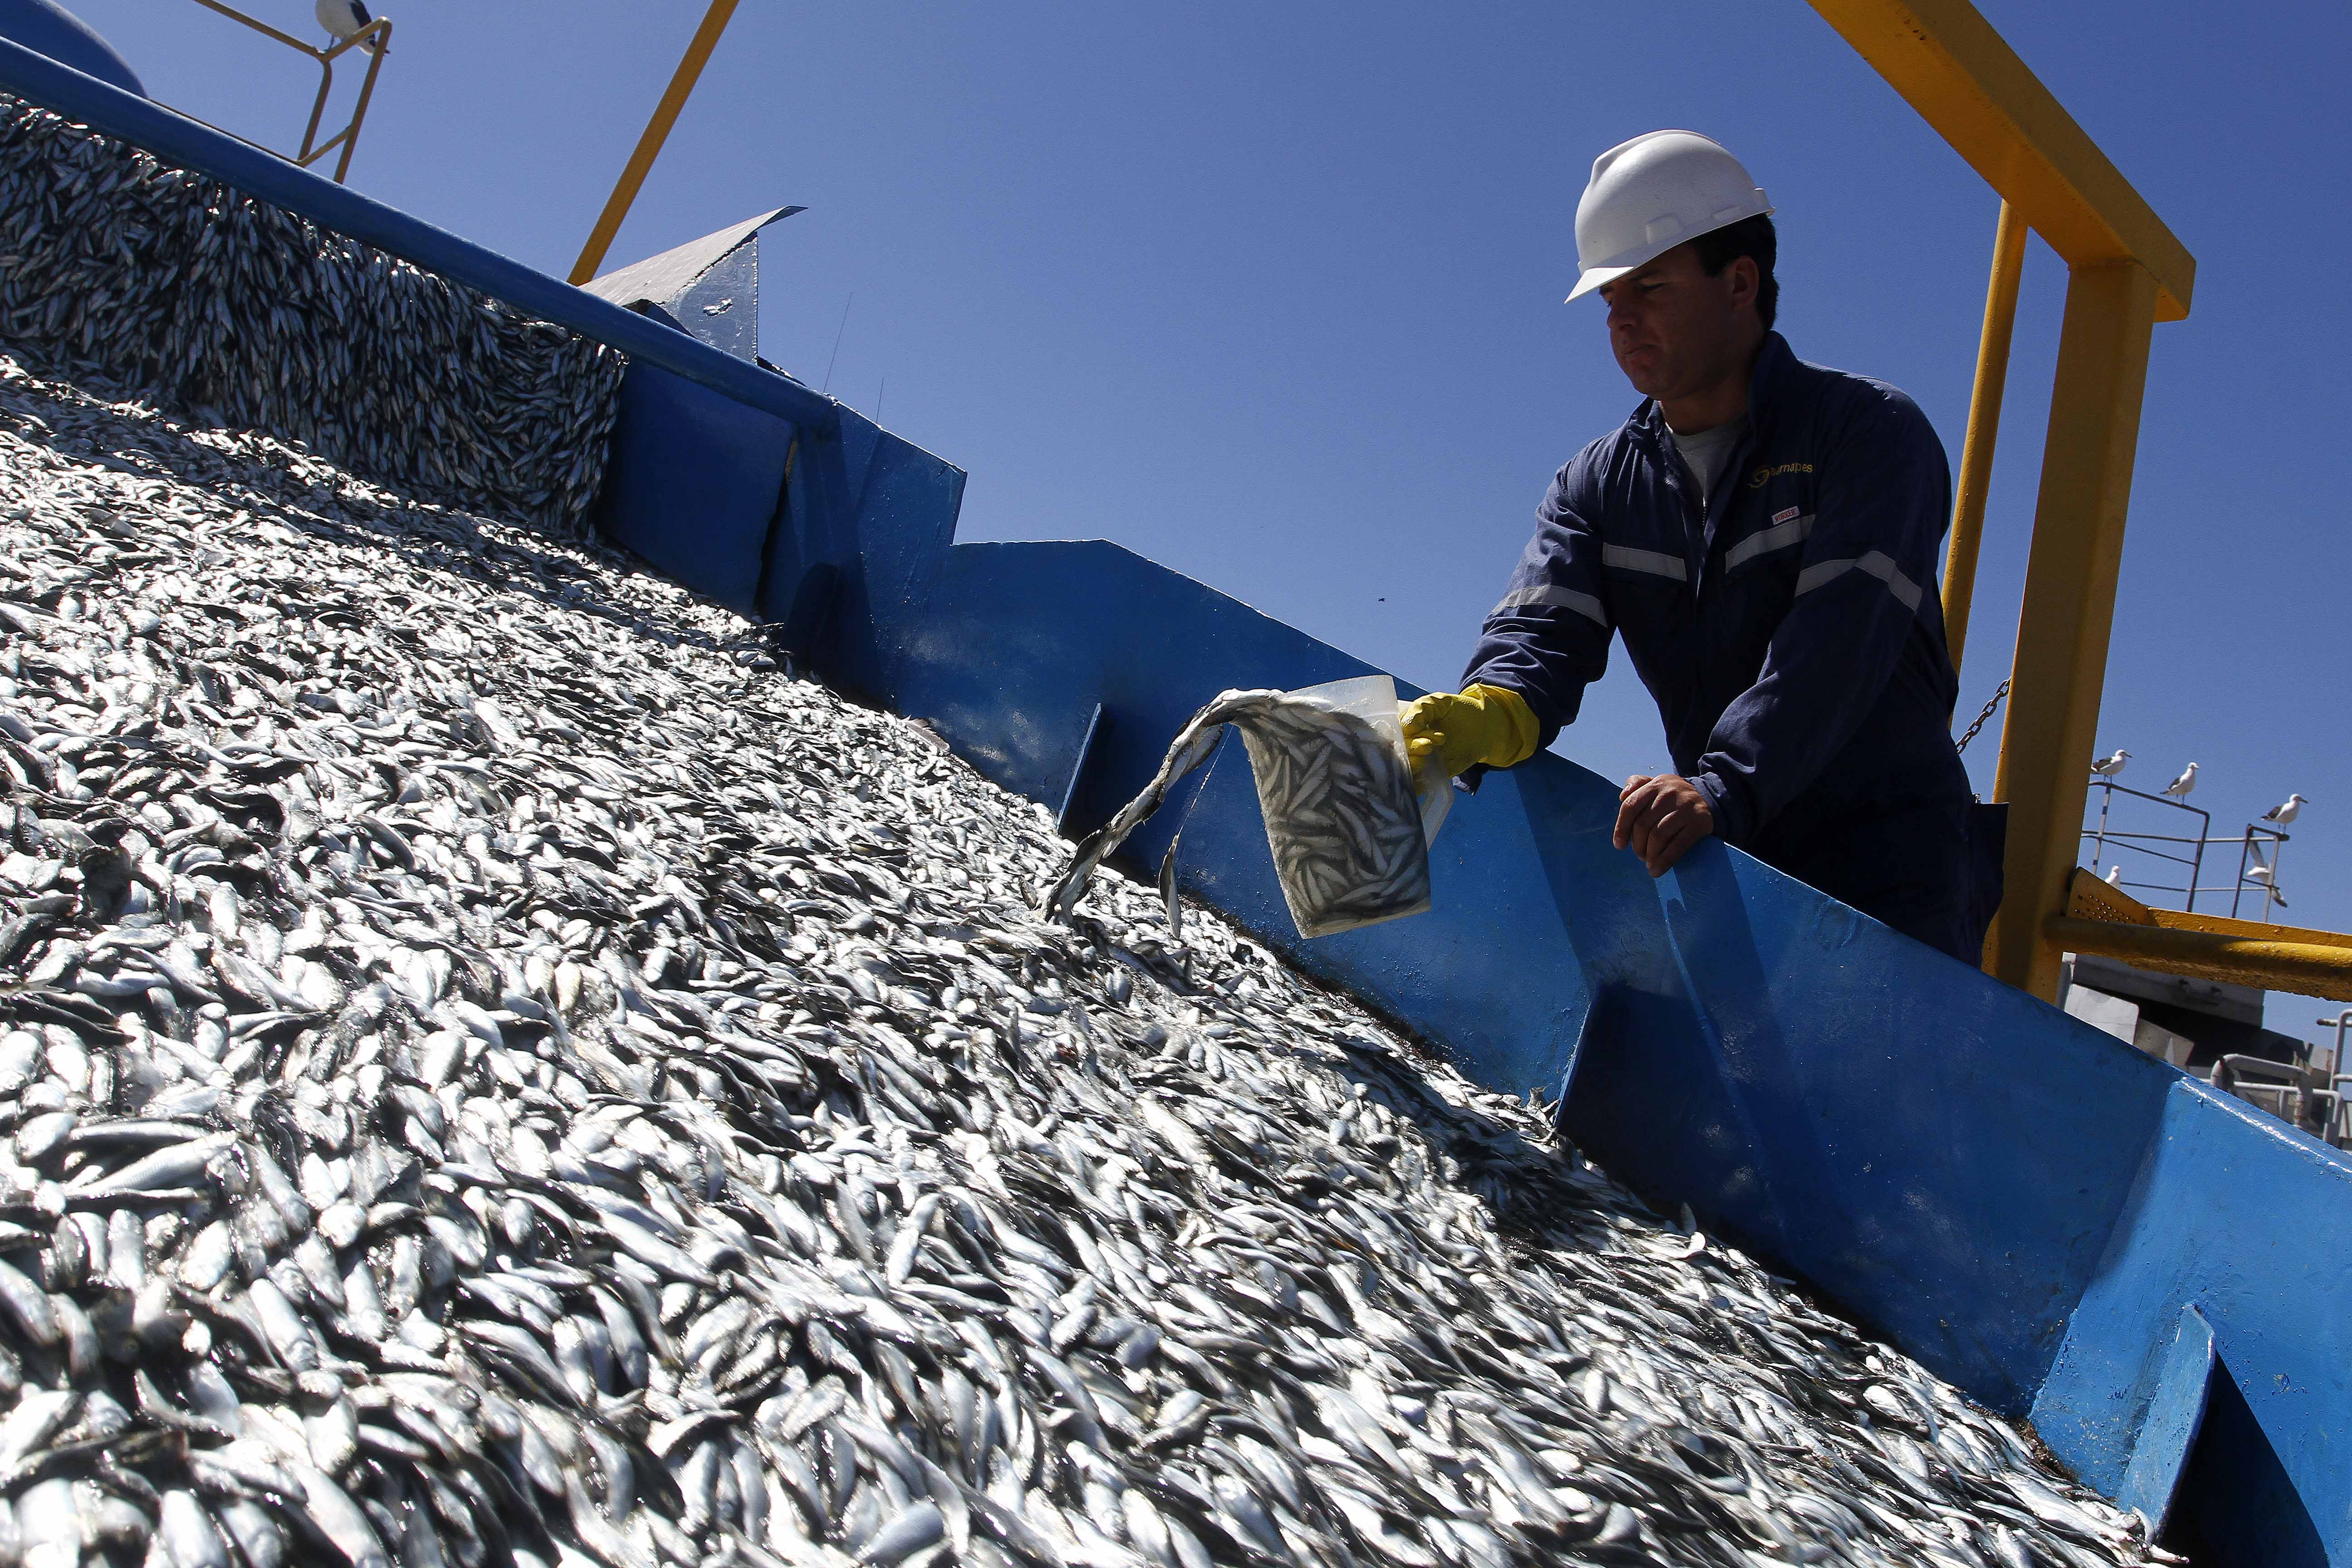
<point x="1745" y="280"/>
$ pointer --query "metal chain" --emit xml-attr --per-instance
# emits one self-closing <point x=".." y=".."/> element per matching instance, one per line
<point x="1998" y="693"/>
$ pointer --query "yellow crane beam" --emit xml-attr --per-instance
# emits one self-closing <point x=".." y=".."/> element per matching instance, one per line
<point x="649" y="145"/>
<point x="1966" y="83"/>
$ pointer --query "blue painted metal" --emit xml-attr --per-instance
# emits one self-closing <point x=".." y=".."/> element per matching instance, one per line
<point x="52" y="30"/>
<point x="2176" y="1411"/>
<point x="723" y="306"/>
<point x="708" y="287"/>
<point x="693" y="483"/>
<point x="2250" y="1223"/>
<point x="1080" y="767"/>
<point x="880" y="512"/>
<point x="186" y="144"/>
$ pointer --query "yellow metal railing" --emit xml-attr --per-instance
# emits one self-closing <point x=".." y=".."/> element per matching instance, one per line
<point x="2126" y="272"/>
<point x="375" y="39"/>
<point x="2098" y="919"/>
<point x="1984" y="428"/>
<point x="649" y="145"/>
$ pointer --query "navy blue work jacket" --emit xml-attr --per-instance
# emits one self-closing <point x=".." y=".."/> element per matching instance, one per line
<point x="1788" y="625"/>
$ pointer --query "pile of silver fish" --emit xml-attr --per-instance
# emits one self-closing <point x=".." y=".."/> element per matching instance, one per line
<point x="117" y="270"/>
<point x="494" y="1069"/>
<point x="1340" y="813"/>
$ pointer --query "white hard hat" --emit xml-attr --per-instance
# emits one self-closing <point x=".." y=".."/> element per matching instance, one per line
<point x="1649" y="194"/>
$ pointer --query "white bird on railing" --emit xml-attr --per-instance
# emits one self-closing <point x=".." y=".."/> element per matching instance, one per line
<point x="343" y="18"/>
<point x="2178" y="788"/>
<point x="2108" y="767"/>
<point x="2286" y="811"/>
<point x="2114" y="876"/>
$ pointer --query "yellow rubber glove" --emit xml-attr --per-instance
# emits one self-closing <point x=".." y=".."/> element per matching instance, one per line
<point x="1481" y="724"/>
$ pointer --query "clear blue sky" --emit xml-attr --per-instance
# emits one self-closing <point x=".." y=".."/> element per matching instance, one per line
<point x="1272" y="294"/>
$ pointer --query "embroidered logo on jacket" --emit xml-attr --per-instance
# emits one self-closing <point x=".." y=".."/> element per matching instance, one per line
<point x="1756" y="480"/>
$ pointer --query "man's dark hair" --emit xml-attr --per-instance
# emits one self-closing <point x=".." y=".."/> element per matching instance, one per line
<point x="1718" y="248"/>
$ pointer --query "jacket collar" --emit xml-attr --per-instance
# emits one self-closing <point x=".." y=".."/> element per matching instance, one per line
<point x="1766" y="381"/>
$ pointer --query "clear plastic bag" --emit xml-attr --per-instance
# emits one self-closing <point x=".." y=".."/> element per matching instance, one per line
<point x="1348" y="821"/>
<point x="1349" y="830"/>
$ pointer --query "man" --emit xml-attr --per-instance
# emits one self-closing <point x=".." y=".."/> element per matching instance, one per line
<point x="1763" y="533"/>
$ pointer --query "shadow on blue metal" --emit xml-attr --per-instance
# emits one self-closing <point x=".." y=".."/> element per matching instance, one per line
<point x="2031" y="1208"/>
<point x="1074" y="792"/>
<point x="693" y="483"/>
<point x="2176" y="1412"/>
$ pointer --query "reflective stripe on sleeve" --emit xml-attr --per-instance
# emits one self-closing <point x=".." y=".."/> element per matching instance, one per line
<point x="1656" y="563"/>
<point x="1556" y="598"/>
<point x="1877" y="563"/>
<point x="1766" y="541"/>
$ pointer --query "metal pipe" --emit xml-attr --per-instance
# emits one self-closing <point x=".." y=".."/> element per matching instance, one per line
<point x="1984" y="427"/>
<point x="367" y="91"/>
<point x="649" y="145"/>
<point x="2099" y="848"/>
<point x="2310" y="968"/>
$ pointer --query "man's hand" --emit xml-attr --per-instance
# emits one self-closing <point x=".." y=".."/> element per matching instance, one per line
<point x="1660" y="819"/>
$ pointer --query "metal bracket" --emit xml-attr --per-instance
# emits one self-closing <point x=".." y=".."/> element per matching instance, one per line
<point x="375" y="39"/>
<point x="2174" y="1413"/>
<point x="1097" y="726"/>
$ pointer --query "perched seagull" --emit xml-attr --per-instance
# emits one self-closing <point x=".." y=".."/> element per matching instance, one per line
<point x="2285" y="814"/>
<point x="2109" y="767"/>
<point x="343" y="18"/>
<point x="2114" y="876"/>
<point x="2178" y="788"/>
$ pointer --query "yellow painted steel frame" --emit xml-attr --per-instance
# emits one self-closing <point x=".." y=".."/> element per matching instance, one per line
<point x="649" y="145"/>
<point x="375" y="37"/>
<point x="1984" y="428"/>
<point x="2127" y="271"/>
<point x="2101" y="919"/>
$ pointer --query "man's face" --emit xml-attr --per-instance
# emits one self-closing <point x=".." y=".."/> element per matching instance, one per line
<point x="1672" y="327"/>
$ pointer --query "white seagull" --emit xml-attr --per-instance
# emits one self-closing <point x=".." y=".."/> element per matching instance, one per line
<point x="2178" y="788"/>
<point x="2114" y="876"/>
<point x="2263" y="877"/>
<point x="2108" y="767"/>
<point x="342" y="18"/>
<point x="2286" y="812"/>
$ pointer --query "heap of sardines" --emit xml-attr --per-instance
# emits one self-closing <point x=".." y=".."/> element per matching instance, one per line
<point x="494" y="1071"/>
<point x="1341" y="817"/>
<point x="214" y="300"/>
